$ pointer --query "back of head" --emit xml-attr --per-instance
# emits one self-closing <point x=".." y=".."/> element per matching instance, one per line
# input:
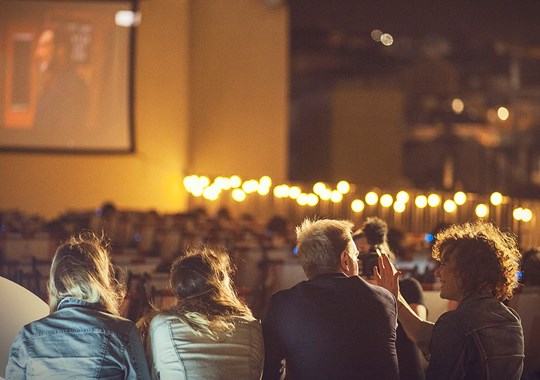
<point x="320" y="244"/>
<point x="530" y="266"/>
<point x="81" y="268"/>
<point x="200" y="272"/>
<point x="206" y="301"/>
<point x="486" y="259"/>
<point x="375" y="231"/>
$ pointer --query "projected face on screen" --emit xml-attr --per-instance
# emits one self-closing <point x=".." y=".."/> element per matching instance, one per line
<point x="67" y="80"/>
<point x="45" y="48"/>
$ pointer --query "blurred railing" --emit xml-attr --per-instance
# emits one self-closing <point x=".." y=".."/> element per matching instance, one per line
<point x="410" y="210"/>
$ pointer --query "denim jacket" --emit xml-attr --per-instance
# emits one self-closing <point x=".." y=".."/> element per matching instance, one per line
<point x="481" y="339"/>
<point x="78" y="341"/>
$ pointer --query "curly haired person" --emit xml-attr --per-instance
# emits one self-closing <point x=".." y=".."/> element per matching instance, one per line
<point x="482" y="338"/>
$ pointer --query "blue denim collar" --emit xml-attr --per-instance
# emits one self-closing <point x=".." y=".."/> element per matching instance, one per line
<point x="72" y="301"/>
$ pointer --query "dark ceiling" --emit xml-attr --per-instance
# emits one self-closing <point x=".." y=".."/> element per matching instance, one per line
<point x="335" y="35"/>
<point x="486" y="52"/>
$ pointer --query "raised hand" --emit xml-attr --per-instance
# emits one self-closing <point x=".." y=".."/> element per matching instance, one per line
<point x="386" y="275"/>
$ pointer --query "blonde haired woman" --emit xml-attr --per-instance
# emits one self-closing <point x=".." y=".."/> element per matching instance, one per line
<point x="84" y="336"/>
<point x="208" y="333"/>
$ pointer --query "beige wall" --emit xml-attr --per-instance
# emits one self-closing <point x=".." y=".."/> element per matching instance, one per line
<point x="367" y="125"/>
<point x="49" y="184"/>
<point x="239" y="82"/>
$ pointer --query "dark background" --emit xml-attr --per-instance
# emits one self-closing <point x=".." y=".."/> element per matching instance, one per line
<point x="485" y="51"/>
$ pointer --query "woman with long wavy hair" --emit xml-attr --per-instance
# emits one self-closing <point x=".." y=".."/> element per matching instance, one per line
<point x="83" y="337"/>
<point x="208" y="333"/>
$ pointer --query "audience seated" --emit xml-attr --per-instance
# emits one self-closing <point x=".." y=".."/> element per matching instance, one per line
<point x="213" y="322"/>
<point x="208" y="333"/>
<point x="84" y="336"/>
<point x="527" y="304"/>
<point x="482" y="338"/>
<point x="373" y="237"/>
<point x="335" y="325"/>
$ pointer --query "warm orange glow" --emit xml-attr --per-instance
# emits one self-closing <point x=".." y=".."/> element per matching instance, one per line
<point x="496" y="198"/>
<point x="481" y="210"/>
<point x="420" y="201"/>
<point x="386" y="200"/>
<point x="399" y="207"/>
<point x="343" y="187"/>
<point x="372" y="198"/>
<point x="460" y="198"/>
<point x="357" y="205"/>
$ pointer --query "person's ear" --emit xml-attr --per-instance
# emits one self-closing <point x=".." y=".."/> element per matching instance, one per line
<point x="344" y="262"/>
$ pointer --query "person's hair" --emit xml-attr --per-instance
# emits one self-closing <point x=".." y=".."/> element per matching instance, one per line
<point x="530" y="265"/>
<point x="320" y="244"/>
<point x="205" y="298"/>
<point x="375" y="230"/>
<point x="81" y="268"/>
<point x="394" y="239"/>
<point x="486" y="259"/>
<point x="358" y="234"/>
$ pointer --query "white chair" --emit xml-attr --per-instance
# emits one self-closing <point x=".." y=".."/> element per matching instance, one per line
<point x="19" y="307"/>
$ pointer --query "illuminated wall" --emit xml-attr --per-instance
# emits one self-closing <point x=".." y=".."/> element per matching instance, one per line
<point x="367" y="133"/>
<point x="254" y="113"/>
<point x="239" y="82"/>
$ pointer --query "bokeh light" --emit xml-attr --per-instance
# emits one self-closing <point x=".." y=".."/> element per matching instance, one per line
<point x="503" y="113"/>
<point x="399" y="207"/>
<point x="460" y="198"/>
<point x="294" y="192"/>
<point x="387" y="39"/>
<point x="302" y="199"/>
<point x="343" y="187"/>
<point x="386" y="200"/>
<point x="376" y="35"/>
<point x="372" y="198"/>
<point x="481" y="210"/>
<point x="527" y="215"/>
<point x="211" y="193"/>
<point x="235" y="181"/>
<point x="420" y="201"/>
<point x="265" y="181"/>
<point x="402" y="196"/>
<point x="325" y="194"/>
<point x="357" y="205"/>
<point x="336" y="196"/>
<point x="250" y="186"/>
<point x="312" y="199"/>
<point x="434" y="200"/>
<point x="319" y="187"/>
<point x="281" y="191"/>
<point x="238" y="195"/>
<point x="457" y="106"/>
<point x="204" y="181"/>
<point x="496" y="198"/>
<point x="449" y="206"/>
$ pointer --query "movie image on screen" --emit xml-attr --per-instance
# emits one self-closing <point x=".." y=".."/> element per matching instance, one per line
<point x="65" y="76"/>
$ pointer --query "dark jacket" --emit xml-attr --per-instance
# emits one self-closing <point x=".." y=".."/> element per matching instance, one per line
<point x="481" y="339"/>
<point x="332" y="327"/>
